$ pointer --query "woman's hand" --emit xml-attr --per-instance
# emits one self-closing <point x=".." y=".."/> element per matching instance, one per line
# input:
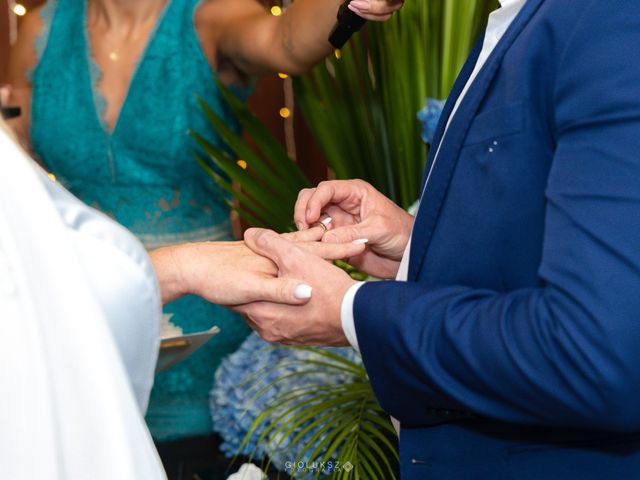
<point x="242" y="38"/>
<point x="229" y="273"/>
<point x="358" y="211"/>
<point x="376" y="10"/>
<point x="5" y="94"/>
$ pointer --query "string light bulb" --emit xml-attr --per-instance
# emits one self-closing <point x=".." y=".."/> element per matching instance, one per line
<point x="337" y="53"/>
<point x="242" y="164"/>
<point x="285" y="112"/>
<point x="283" y="75"/>
<point x="19" y="9"/>
<point x="276" y="11"/>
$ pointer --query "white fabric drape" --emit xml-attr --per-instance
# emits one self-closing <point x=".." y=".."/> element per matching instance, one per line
<point x="67" y="410"/>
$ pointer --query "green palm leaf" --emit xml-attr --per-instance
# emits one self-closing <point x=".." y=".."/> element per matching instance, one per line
<point x="331" y="420"/>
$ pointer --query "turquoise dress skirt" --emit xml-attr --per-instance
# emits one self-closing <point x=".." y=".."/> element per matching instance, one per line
<point x="143" y="173"/>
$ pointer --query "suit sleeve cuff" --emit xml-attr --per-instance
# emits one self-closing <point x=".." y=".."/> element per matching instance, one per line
<point x="346" y="315"/>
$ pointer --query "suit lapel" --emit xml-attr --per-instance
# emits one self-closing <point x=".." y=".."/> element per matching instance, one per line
<point x="451" y="144"/>
<point x="458" y="86"/>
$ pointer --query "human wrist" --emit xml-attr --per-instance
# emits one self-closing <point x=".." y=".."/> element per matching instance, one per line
<point x="170" y="270"/>
<point x="407" y="221"/>
<point x="399" y="232"/>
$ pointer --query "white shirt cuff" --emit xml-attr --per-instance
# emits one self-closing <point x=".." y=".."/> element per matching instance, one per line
<point x="346" y="315"/>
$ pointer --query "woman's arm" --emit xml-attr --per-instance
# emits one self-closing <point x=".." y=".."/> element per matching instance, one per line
<point x="22" y="60"/>
<point x="244" y="34"/>
<point x="226" y="273"/>
<point x="230" y="274"/>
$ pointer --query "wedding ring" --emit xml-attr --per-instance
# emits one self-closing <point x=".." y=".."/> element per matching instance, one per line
<point x="324" y="223"/>
<point x="320" y="224"/>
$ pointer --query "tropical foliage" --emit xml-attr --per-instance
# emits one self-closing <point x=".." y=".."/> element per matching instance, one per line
<point x="323" y="428"/>
<point x="362" y="103"/>
<point x="270" y="180"/>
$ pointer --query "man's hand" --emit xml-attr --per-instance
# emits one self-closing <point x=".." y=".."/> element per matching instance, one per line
<point x="316" y="322"/>
<point x="358" y="211"/>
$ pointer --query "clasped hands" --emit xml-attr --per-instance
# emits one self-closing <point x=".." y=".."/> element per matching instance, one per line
<point x="282" y="283"/>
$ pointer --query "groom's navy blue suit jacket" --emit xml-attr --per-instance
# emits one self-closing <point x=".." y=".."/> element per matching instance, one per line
<point x="513" y="351"/>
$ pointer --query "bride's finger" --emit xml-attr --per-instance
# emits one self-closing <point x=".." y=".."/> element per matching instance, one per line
<point x="334" y="251"/>
<point x="313" y="234"/>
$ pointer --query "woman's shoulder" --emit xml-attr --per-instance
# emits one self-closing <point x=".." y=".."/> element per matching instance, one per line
<point x="24" y="54"/>
<point x="24" y="57"/>
<point x="215" y="17"/>
<point x="32" y="23"/>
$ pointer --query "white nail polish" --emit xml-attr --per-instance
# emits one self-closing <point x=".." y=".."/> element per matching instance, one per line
<point x="302" y="291"/>
<point x="326" y="221"/>
<point x="361" y="241"/>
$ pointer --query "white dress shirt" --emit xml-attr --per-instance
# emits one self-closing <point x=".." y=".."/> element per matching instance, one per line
<point x="499" y="22"/>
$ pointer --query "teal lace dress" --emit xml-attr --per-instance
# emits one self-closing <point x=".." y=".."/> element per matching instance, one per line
<point x="142" y="173"/>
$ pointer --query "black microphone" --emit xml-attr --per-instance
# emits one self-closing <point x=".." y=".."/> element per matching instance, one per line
<point x="10" y="112"/>
<point x="349" y="22"/>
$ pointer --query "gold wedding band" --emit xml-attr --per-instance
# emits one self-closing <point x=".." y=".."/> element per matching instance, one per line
<point x="320" y="224"/>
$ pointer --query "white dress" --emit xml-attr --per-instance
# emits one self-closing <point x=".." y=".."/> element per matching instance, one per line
<point x="80" y="314"/>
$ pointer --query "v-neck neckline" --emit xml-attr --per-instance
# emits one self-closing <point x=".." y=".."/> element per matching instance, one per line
<point x="95" y="71"/>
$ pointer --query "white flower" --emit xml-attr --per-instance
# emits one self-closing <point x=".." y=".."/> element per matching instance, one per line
<point x="248" y="471"/>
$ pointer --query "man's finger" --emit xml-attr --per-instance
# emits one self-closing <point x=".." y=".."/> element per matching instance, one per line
<point x="346" y="235"/>
<point x="276" y="248"/>
<point x="300" y="208"/>
<point x="261" y="317"/>
<point x="327" y="193"/>
<point x="334" y="251"/>
<point x="339" y="217"/>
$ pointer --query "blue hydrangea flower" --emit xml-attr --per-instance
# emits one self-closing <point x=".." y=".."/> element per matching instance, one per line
<point x="234" y="405"/>
<point x="429" y="117"/>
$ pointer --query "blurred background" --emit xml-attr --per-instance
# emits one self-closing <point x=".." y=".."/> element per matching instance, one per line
<point x="268" y="101"/>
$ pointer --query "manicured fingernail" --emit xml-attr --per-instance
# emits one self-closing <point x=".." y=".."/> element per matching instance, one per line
<point x="362" y="5"/>
<point x="326" y="221"/>
<point x="361" y="241"/>
<point x="302" y="291"/>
